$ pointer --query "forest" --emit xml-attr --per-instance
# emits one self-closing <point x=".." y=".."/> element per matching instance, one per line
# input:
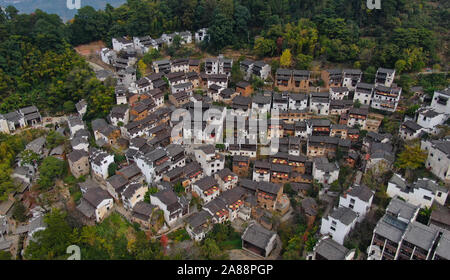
<point x="39" y="66"/>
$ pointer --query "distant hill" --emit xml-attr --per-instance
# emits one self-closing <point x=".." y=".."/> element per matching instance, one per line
<point x="58" y="7"/>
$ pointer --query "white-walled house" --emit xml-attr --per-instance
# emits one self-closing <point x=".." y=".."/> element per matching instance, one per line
<point x="100" y="161"/>
<point x="206" y="188"/>
<point x="170" y="204"/>
<point x="201" y="35"/>
<point x="363" y="93"/>
<point x="339" y="223"/>
<point x="384" y="77"/>
<point x="210" y="161"/>
<point x="440" y="102"/>
<point x="325" y="172"/>
<point x="359" y="199"/>
<point x="75" y="124"/>
<point x="438" y="160"/>
<point x="121" y="43"/>
<point x="95" y="203"/>
<point x="421" y="193"/>
<point x="429" y="119"/>
<point x="410" y="130"/>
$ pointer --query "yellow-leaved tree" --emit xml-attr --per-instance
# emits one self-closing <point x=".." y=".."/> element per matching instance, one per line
<point x="286" y="58"/>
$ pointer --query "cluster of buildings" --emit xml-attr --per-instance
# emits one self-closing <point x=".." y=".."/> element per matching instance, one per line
<point x="24" y="117"/>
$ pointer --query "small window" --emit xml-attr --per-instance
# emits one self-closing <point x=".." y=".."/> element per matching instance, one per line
<point x="333" y="229"/>
<point x="426" y="197"/>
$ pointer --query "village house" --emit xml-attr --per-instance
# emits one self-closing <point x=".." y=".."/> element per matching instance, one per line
<point x="320" y="103"/>
<point x="357" y="116"/>
<point x="133" y="194"/>
<point x="95" y="204"/>
<point x="338" y="93"/>
<point x="259" y="69"/>
<point x="261" y="171"/>
<point x="438" y="159"/>
<point x="226" y="179"/>
<point x="172" y="205"/>
<point x="75" y="123"/>
<point x="201" y="35"/>
<point x="309" y="209"/>
<point x="359" y="199"/>
<point x="198" y="225"/>
<point x="339" y="223"/>
<point x="206" y="188"/>
<point x="325" y="172"/>
<point x="328" y="249"/>
<point x="440" y="103"/>
<point x="161" y="66"/>
<point x="430" y="119"/>
<point x="384" y="77"/>
<point x="351" y="77"/>
<point x="386" y="98"/>
<point x="210" y="161"/>
<point x="78" y="163"/>
<point x="244" y="88"/>
<point x="119" y="115"/>
<point x="258" y="240"/>
<point x="241" y="166"/>
<point x="121" y="43"/>
<point x="390" y="230"/>
<point x="143" y="214"/>
<point x="115" y="185"/>
<point x="180" y="65"/>
<point x="100" y="161"/>
<point x="363" y="93"/>
<point x="332" y="78"/>
<point x="421" y="193"/>
<point x="410" y="130"/>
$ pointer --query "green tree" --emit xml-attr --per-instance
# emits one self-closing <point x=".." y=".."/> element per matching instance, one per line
<point x="50" y="169"/>
<point x="264" y="47"/>
<point x="19" y="212"/>
<point x="54" y="139"/>
<point x="112" y="168"/>
<point x="29" y="157"/>
<point x="410" y="159"/>
<point x="52" y="242"/>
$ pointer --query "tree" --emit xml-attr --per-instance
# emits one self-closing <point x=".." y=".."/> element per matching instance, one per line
<point x="112" y="169"/>
<point x="211" y="251"/>
<point x="50" y="169"/>
<point x="220" y="32"/>
<point x="178" y="188"/>
<point x="69" y="106"/>
<point x="303" y="61"/>
<point x="410" y="159"/>
<point x="286" y="58"/>
<point x="52" y="242"/>
<point x="19" y="212"/>
<point x="29" y="157"/>
<point x="54" y="139"/>
<point x="264" y="47"/>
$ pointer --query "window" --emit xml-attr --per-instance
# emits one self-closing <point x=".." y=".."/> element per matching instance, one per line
<point x="439" y="194"/>
<point x="426" y="197"/>
<point x="333" y="229"/>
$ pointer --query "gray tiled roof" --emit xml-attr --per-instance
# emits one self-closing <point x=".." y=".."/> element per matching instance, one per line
<point x="257" y="235"/>
<point x="420" y="235"/>
<point x="362" y="192"/>
<point x="331" y="250"/>
<point x="344" y="215"/>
